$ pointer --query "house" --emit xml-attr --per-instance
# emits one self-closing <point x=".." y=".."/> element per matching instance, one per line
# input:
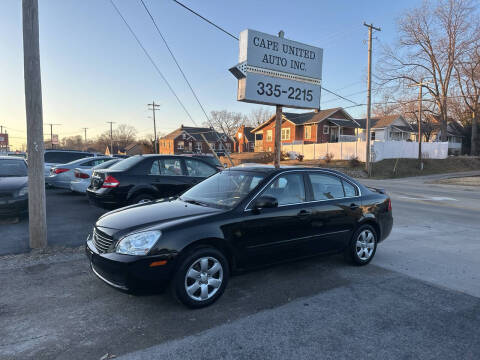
<point x="455" y="133"/>
<point x="321" y="126"/>
<point x="244" y="139"/>
<point x="188" y="139"/>
<point x="135" y="149"/>
<point x="386" y="128"/>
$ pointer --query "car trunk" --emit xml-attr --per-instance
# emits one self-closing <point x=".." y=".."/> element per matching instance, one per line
<point x="99" y="176"/>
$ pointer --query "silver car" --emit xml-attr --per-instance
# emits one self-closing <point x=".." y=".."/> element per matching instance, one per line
<point x="61" y="175"/>
<point x="83" y="176"/>
<point x="57" y="157"/>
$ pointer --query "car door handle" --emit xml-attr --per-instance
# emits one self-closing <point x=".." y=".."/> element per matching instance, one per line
<point x="354" y="206"/>
<point x="304" y="213"/>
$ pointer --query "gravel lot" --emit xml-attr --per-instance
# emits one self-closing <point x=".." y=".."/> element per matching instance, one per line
<point x="420" y="297"/>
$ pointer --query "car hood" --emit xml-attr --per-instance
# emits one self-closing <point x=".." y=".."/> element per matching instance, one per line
<point x="13" y="183"/>
<point x="152" y="213"/>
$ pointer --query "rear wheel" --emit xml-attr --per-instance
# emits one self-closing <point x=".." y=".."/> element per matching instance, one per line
<point x="142" y="198"/>
<point x="201" y="278"/>
<point x="363" y="245"/>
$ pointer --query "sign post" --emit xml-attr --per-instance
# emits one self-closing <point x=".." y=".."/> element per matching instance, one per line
<point x="276" y="71"/>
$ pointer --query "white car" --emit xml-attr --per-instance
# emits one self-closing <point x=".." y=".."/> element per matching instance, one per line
<point x="56" y="157"/>
<point x="82" y="176"/>
<point x="61" y="175"/>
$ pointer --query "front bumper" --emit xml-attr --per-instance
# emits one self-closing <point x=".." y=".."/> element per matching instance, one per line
<point x="104" y="200"/>
<point x="129" y="272"/>
<point x="57" y="182"/>
<point x="79" y="186"/>
<point x="13" y="206"/>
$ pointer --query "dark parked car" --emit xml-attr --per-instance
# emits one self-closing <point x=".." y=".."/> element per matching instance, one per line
<point x="143" y="178"/>
<point x="13" y="186"/>
<point x="240" y="218"/>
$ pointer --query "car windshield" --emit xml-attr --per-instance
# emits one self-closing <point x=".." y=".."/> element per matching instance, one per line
<point x="225" y="189"/>
<point x="106" y="164"/>
<point x="211" y="160"/>
<point x="13" y="168"/>
<point x="127" y="163"/>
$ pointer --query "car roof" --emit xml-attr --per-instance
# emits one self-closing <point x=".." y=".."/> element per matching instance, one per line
<point x="12" y="158"/>
<point x="267" y="168"/>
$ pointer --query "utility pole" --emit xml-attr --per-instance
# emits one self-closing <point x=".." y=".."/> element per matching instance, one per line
<point x="154" y="107"/>
<point x="37" y="223"/>
<point x="111" y="136"/>
<point x="420" y="85"/>
<point x="51" y="133"/>
<point x="277" y="149"/>
<point x="369" y="95"/>
<point x="85" y="141"/>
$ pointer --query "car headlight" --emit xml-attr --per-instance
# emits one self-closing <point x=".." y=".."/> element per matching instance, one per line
<point x="138" y="243"/>
<point x="23" y="191"/>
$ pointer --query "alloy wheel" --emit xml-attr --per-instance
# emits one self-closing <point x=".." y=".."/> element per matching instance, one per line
<point x="365" y="245"/>
<point x="203" y="279"/>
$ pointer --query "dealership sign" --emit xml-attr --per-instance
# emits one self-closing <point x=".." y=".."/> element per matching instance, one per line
<point x="276" y="71"/>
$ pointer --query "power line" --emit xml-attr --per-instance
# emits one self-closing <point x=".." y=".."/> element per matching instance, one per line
<point x="205" y="19"/>
<point x="184" y="76"/>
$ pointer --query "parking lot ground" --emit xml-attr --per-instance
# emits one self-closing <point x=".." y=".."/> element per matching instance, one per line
<point x="419" y="298"/>
<point x="69" y="220"/>
<point x="55" y="308"/>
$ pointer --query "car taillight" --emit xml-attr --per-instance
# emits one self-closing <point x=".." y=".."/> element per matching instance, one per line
<point x="81" y="175"/>
<point x="60" y="170"/>
<point x="389" y="206"/>
<point x="110" y="182"/>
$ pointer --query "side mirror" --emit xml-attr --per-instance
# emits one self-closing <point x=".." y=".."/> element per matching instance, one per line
<point x="265" y="202"/>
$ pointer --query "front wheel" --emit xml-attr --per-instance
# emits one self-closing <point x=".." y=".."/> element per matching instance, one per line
<point x="363" y="245"/>
<point x="201" y="278"/>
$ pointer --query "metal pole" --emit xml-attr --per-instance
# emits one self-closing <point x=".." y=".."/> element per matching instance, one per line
<point x="154" y="108"/>
<point x="111" y="136"/>
<point x="420" y="162"/>
<point x="369" y="95"/>
<point x="277" y="149"/>
<point x="33" y="103"/>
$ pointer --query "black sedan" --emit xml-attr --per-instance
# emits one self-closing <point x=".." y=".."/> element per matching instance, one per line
<point x="143" y="178"/>
<point x="240" y="218"/>
<point x="13" y="186"/>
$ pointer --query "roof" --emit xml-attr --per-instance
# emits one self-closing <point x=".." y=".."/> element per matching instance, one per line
<point x="311" y="117"/>
<point x="268" y="169"/>
<point x="248" y="133"/>
<point x="404" y="128"/>
<point x="344" y="123"/>
<point x="378" y="122"/>
<point x="12" y="158"/>
<point x="196" y="132"/>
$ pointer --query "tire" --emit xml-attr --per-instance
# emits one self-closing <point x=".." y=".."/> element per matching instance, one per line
<point x="142" y="198"/>
<point x="363" y="245"/>
<point x="205" y="287"/>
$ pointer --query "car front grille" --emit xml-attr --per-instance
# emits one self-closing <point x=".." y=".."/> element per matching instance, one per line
<point x="101" y="242"/>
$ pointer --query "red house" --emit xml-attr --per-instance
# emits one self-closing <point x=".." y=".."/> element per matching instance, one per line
<point x="329" y="125"/>
<point x="244" y="139"/>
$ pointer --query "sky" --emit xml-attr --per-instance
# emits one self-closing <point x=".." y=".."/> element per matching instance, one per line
<point x="93" y="71"/>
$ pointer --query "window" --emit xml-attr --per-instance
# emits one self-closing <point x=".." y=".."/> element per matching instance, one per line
<point x="198" y="169"/>
<point x="308" y="132"/>
<point x="228" y="146"/>
<point x="286" y="134"/>
<point x="198" y="146"/>
<point x="169" y="167"/>
<point x="269" y="135"/>
<point x="212" y="145"/>
<point x="63" y="157"/>
<point x="287" y="189"/>
<point x="349" y="189"/>
<point x="180" y="145"/>
<point x="372" y="135"/>
<point x="326" y="187"/>
<point x="325" y="129"/>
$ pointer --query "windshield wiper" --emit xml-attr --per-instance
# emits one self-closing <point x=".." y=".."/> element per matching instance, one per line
<point x="195" y="202"/>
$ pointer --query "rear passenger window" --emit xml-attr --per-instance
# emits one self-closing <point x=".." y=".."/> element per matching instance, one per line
<point x="198" y="169"/>
<point x="349" y="189"/>
<point x="169" y="167"/>
<point x="287" y="189"/>
<point x="326" y="187"/>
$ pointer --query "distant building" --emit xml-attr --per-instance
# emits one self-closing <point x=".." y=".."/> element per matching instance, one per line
<point x="387" y="128"/>
<point x="244" y="139"/>
<point x="329" y="125"/>
<point x="187" y="139"/>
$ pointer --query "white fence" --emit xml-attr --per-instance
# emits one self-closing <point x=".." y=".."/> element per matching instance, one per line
<point x="380" y="150"/>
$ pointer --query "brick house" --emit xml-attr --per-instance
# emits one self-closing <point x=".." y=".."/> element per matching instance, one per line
<point x="329" y="125"/>
<point x="244" y="139"/>
<point x="188" y="139"/>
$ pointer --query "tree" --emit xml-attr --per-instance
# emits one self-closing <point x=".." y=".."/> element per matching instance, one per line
<point x="432" y="39"/>
<point x="258" y="116"/>
<point x="226" y="122"/>
<point x="124" y="135"/>
<point x="467" y="73"/>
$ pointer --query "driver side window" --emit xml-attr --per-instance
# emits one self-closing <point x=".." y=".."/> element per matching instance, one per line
<point x="287" y="189"/>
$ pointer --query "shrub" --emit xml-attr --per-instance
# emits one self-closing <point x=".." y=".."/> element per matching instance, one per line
<point x="299" y="157"/>
<point x="329" y="157"/>
<point x="354" y="162"/>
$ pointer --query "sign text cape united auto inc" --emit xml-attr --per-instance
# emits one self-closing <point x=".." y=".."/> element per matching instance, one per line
<point x="278" y="71"/>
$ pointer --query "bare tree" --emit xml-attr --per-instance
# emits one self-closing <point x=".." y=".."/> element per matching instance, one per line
<point x="226" y="122"/>
<point x="258" y="116"/>
<point x="432" y="38"/>
<point x="467" y="72"/>
<point x="124" y="135"/>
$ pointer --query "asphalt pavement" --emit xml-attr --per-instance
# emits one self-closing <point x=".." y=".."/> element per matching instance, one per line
<point x="419" y="298"/>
